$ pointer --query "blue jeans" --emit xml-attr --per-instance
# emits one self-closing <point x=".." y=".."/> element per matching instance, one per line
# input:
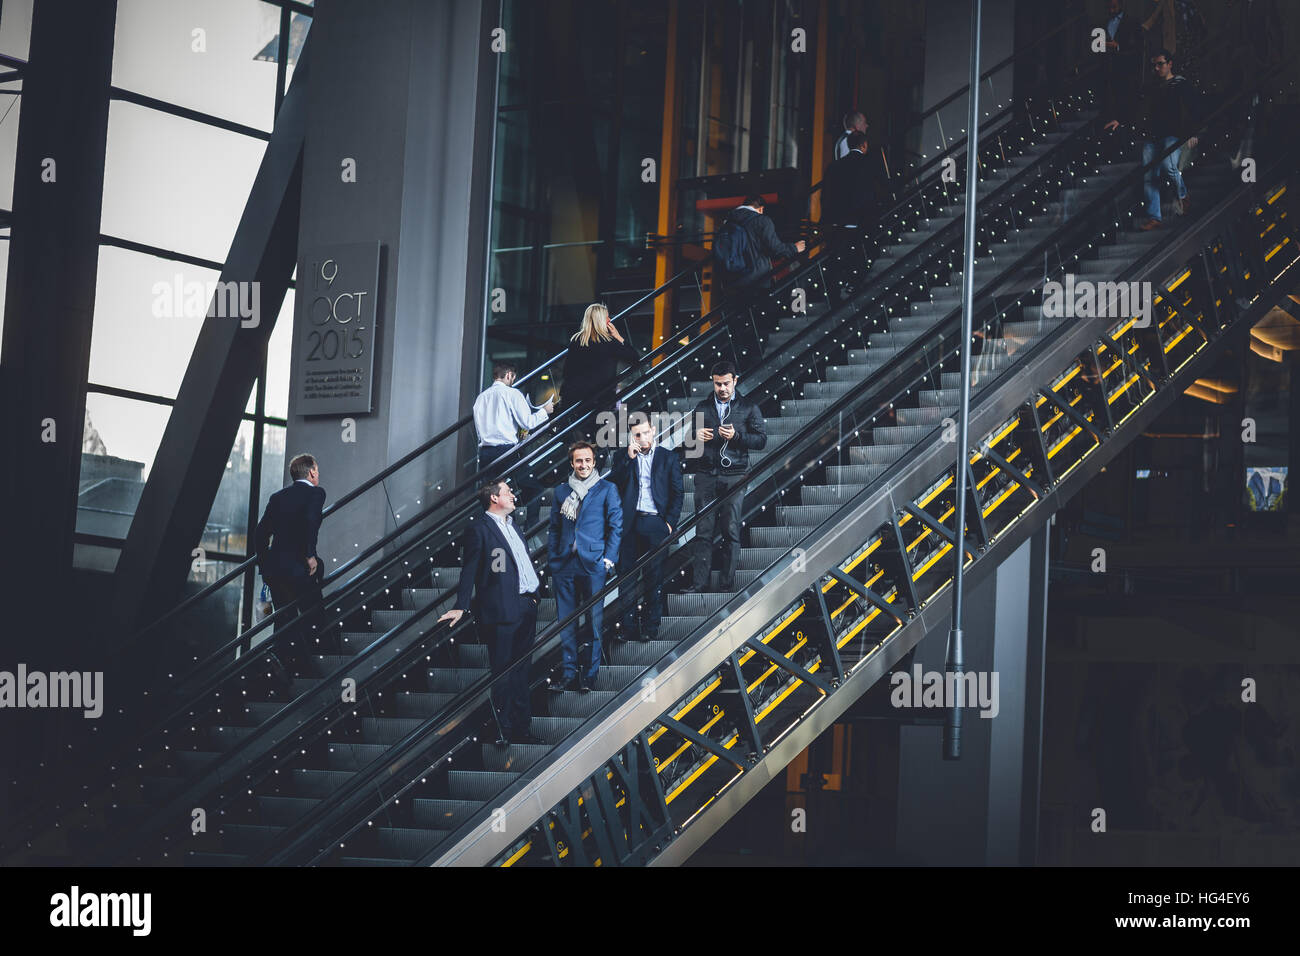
<point x="1168" y="168"/>
<point x="571" y="585"/>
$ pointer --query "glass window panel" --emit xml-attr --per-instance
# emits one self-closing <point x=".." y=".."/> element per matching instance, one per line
<point x="207" y="55"/>
<point x="175" y="183"/>
<point x="15" y="27"/>
<point x="145" y="329"/>
<point x="273" y="464"/>
<point x="227" y="526"/>
<point x="10" y="108"/>
<point x="298" y="28"/>
<point x="119" y="441"/>
<point x="277" y="361"/>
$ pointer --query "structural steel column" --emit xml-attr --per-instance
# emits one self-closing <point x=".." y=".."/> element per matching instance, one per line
<point x="50" y="297"/>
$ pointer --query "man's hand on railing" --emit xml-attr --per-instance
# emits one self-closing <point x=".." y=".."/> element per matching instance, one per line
<point x="453" y="616"/>
<point x="800" y="245"/>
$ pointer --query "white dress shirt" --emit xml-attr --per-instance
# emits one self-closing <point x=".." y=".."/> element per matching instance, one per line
<point x="500" y="412"/>
<point x="645" y="502"/>
<point x="528" y="582"/>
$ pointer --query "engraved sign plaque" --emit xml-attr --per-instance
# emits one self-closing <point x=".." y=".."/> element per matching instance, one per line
<point x="334" y="324"/>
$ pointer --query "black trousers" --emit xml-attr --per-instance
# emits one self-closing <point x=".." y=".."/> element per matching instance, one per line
<point x="648" y="532"/>
<point x="722" y="522"/>
<point x="296" y="632"/>
<point x="507" y="641"/>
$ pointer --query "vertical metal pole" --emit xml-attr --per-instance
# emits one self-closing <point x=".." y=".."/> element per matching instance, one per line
<point x="955" y="663"/>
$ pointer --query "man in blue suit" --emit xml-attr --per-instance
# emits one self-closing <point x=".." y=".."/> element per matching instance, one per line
<point x="586" y="527"/>
<point x="499" y="574"/>
<point x="286" y="542"/>
<point x="650" y="480"/>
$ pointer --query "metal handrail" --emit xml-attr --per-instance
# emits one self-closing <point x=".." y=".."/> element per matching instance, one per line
<point x="456" y="427"/>
<point x="471" y="699"/>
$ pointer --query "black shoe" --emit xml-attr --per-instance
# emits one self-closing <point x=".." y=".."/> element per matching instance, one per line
<point x="648" y="636"/>
<point x="583" y="686"/>
<point x="561" y="685"/>
<point x="502" y="741"/>
<point x="725" y="587"/>
<point x="526" y="738"/>
<point x="692" y="589"/>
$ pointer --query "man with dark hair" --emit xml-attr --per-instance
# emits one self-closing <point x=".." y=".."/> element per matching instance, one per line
<point x="850" y="189"/>
<point x="286" y="552"/>
<point x="500" y="414"/>
<point x="1170" y="115"/>
<point x="582" y="546"/>
<point x="854" y="122"/>
<point x="500" y="585"/>
<point x="650" y="480"/>
<point x="760" y="243"/>
<point x="730" y="428"/>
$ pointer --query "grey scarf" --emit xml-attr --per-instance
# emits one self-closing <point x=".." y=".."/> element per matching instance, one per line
<point x="580" y="488"/>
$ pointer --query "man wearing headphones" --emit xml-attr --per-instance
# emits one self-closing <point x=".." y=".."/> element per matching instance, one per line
<point x="730" y="428"/>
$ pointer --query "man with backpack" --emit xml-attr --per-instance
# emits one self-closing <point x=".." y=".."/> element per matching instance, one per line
<point x="746" y="243"/>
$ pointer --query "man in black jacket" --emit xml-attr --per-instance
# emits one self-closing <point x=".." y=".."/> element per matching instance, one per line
<point x="732" y="427"/>
<point x="650" y="480"/>
<point x="1170" y="116"/>
<point x="764" y="243"/>
<point x="286" y="542"/>
<point x="849" y="189"/>
<point x="499" y="584"/>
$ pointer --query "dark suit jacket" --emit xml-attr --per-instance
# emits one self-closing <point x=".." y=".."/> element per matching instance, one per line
<point x="751" y="435"/>
<point x="597" y="532"/>
<point x="591" y="370"/>
<point x="286" y="535"/>
<point x="666" y="487"/>
<point x="767" y="245"/>
<point x="850" y="190"/>
<point x="495" y="594"/>
<point x="1123" y="70"/>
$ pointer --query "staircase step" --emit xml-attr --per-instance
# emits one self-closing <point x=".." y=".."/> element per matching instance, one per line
<point x="480" y="785"/>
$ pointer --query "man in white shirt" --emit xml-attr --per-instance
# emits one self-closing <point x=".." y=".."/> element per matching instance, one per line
<point x="500" y="414"/>
<point x="853" y="123"/>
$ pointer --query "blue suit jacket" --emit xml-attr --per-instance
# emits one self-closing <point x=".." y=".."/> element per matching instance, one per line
<point x="286" y="535"/>
<point x="496" y="596"/>
<point x="597" y="532"/>
<point x="666" y="488"/>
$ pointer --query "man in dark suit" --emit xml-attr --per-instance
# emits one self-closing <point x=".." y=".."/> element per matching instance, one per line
<point x="582" y="546"/>
<point x="286" y="544"/>
<point x="1122" y="71"/>
<point x="764" y="243"/>
<point x="849" y="190"/>
<point x="499" y="574"/>
<point x="731" y="428"/>
<point x="650" y="482"/>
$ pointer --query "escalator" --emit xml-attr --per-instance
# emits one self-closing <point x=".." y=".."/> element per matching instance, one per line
<point x="855" y="566"/>
<point x="772" y="667"/>
<point x="281" y="770"/>
<point x="229" y="717"/>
